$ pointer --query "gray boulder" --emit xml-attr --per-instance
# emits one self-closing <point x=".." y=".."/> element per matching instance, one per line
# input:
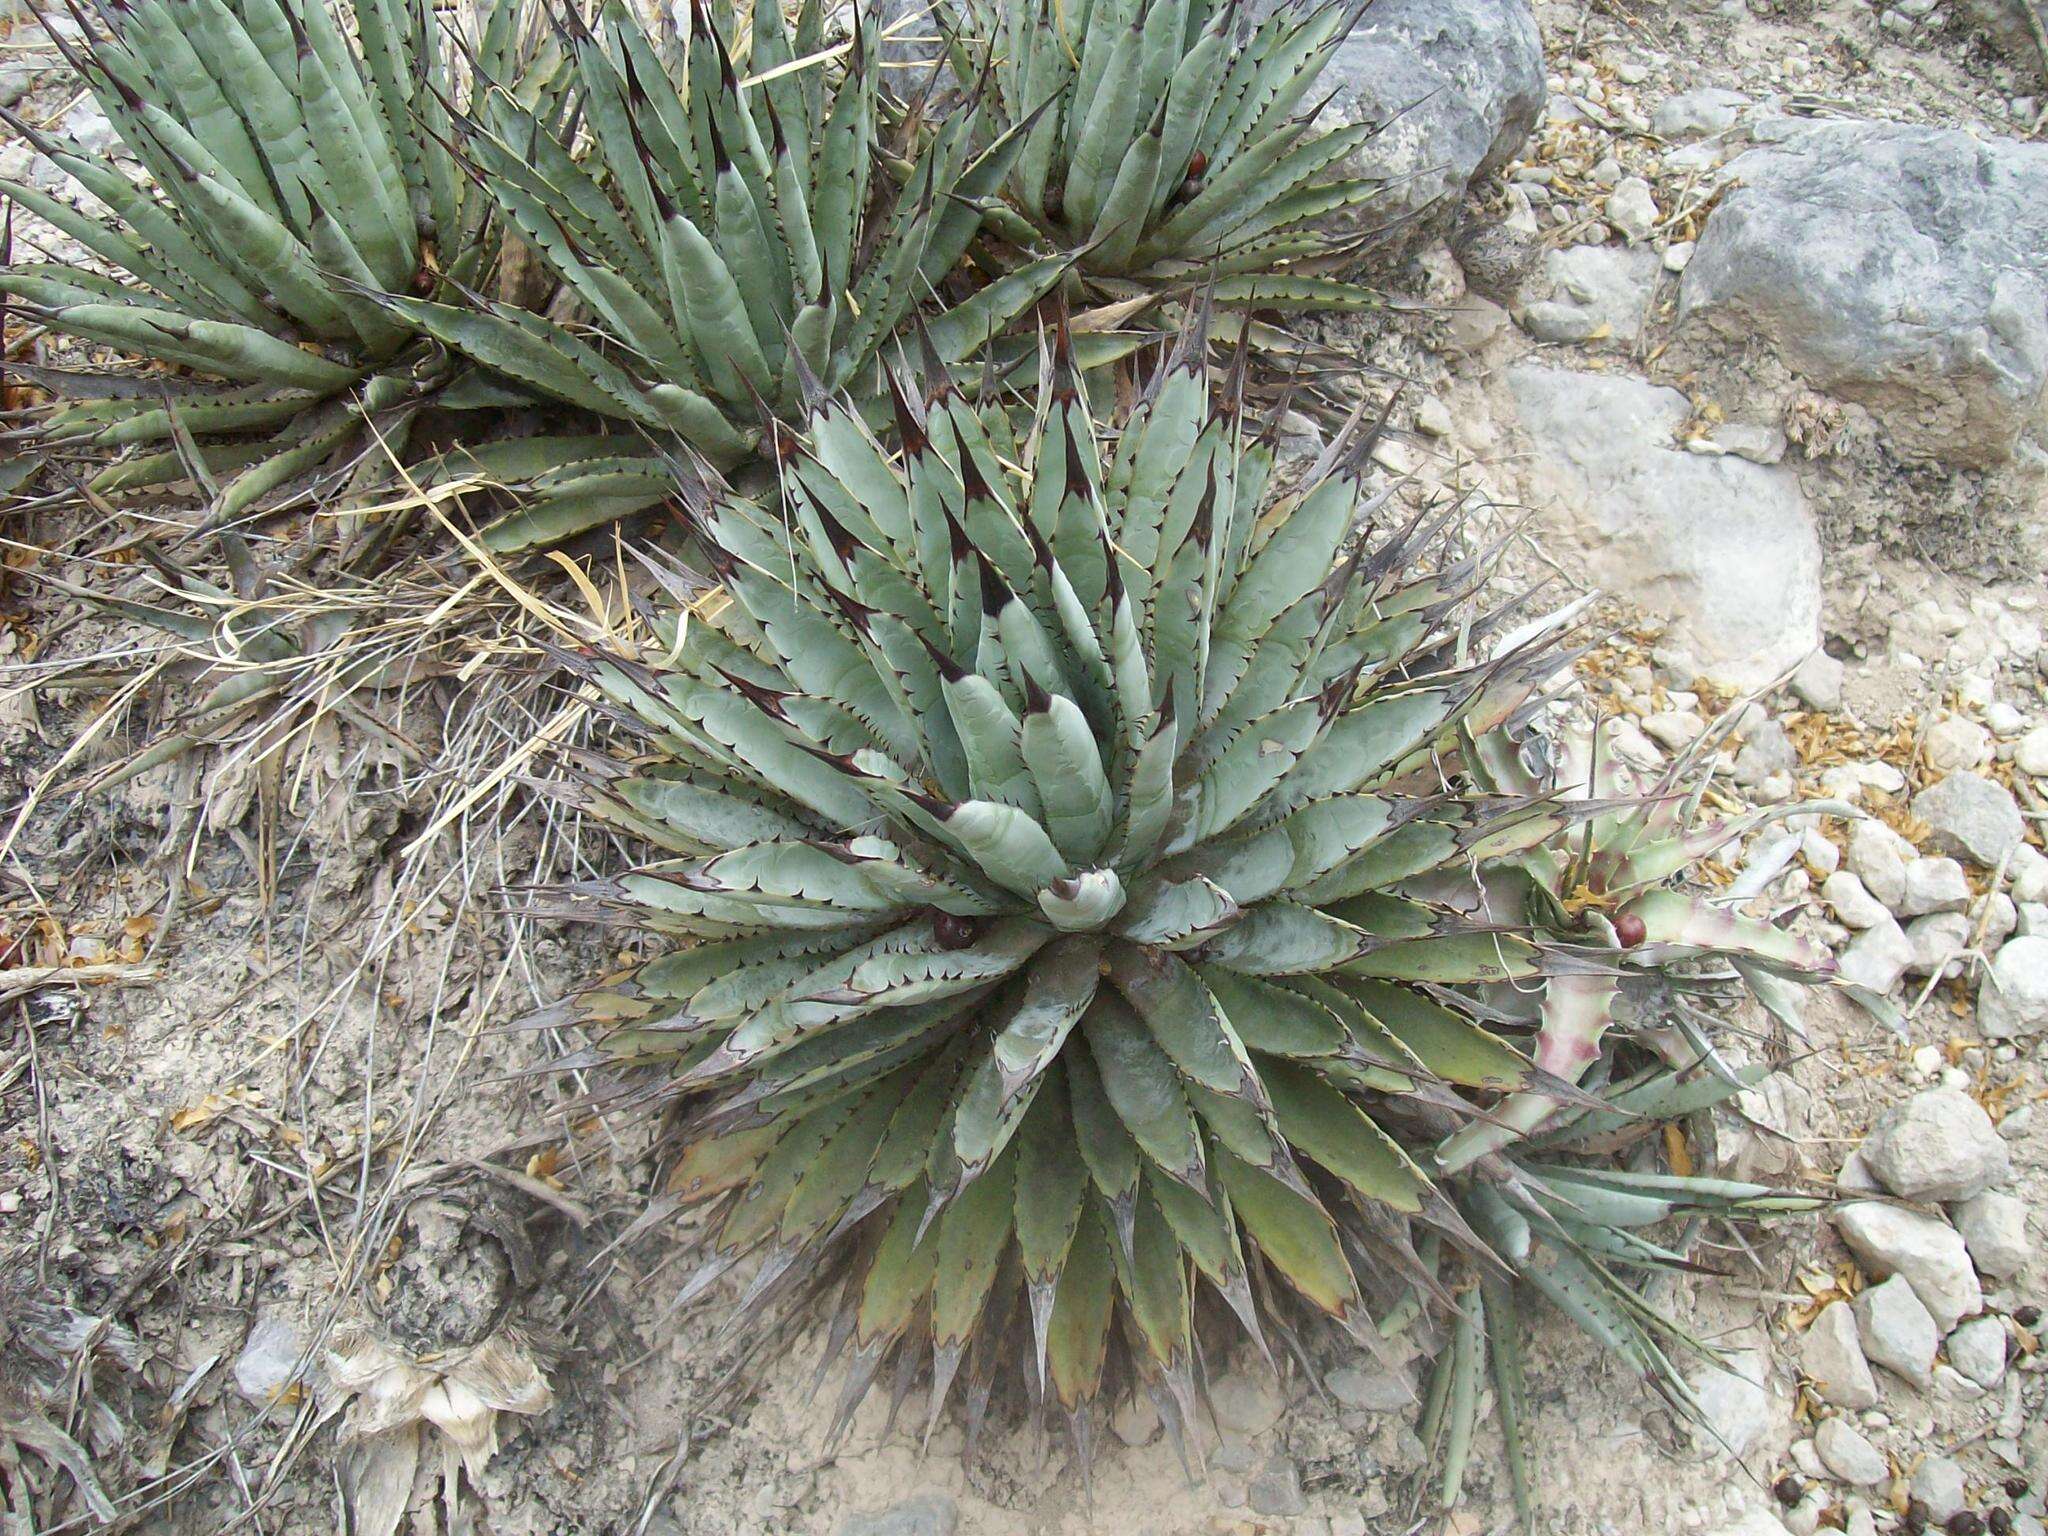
<point x="1971" y="817"/>
<point x="1724" y="549"/>
<point x="1904" y="268"/>
<point x="1458" y="86"/>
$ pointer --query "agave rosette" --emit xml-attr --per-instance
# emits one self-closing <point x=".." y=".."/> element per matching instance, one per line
<point x="723" y="238"/>
<point x="1165" y="142"/>
<point x="294" y="166"/>
<point x="1101" y="885"/>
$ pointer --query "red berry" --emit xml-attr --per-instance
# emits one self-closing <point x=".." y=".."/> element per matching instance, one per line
<point x="1630" y="930"/>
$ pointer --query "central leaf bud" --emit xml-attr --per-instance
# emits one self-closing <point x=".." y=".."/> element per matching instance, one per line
<point x="1079" y="903"/>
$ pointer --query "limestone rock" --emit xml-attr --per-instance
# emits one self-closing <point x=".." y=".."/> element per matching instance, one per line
<point x="1595" y="293"/>
<point x="1972" y="817"/>
<point x="1904" y="268"/>
<point x="1994" y="1231"/>
<point x="1977" y="1349"/>
<point x="1723" y="548"/>
<point x="1831" y="1355"/>
<point x="1848" y="1453"/>
<point x="1939" y="1485"/>
<point x="2013" y="997"/>
<point x="1897" y="1331"/>
<point x="1927" y="1251"/>
<point x="1877" y="957"/>
<point x="1459" y="87"/>
<point x="1938" y="1145"/>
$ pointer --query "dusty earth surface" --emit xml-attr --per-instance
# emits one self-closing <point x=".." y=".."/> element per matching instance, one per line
<point x="260" y="1101"/>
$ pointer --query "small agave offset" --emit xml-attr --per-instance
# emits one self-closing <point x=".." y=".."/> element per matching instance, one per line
<point x="1162" y="142"/>
<point x="1109" y="871"/>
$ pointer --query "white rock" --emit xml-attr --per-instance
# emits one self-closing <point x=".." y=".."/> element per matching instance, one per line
<point x="1246" y="1403"/>
<point x="1933" y="885"/>
<point x="2030" y="752"/>
<point x="1433" y="417"/>
<point x="1939" y="1485"/>
<point x="1937" y="940"/>
<point x="1994" y="1229"/>
<point x="1877" y="957"/>
<point x="1831" y="1355"/>
<point x="1136" y="1421"/>
<point x="1820" y="853"/>
<point x="1766" y="750"/>
<point x="1758" y="442"/>
<point x="2005" y="720"/>
<point x="1726" y="550"/>
<point x="270" y="1357"/>
<point x="1877" y="857"/>
<point x="2013" y="997"/>
<point x="1977" y="1349"/>
<point x="1854" y="905"/>
<point x="1927" y="1251"/>
<point x="2032" y="920"/>
<point x="89" y="126"/>
<point x="1951" y="1385"/>
<point x="1374" y="1391"/>
<point x="1739" y="1408"/>
<point x="1632" y="209"/>
<point x="1818" y="683"/>
<point x="2000" y="916"/>
<point x="1595" y="294"/>
<point x="1938" y="1145"/>
<point x="1803" y="1518"/>
<point x="1856" y="1177"/>
<point x="1677" y="254"/>
<point x="1674" y="730"/>
<point x="1956" y="745"/>
<point x="1846" y="1452"/>
<point x="1896" y="1331"/>
<point x="1711" y="109"/>
<point x="2027" y="873"/>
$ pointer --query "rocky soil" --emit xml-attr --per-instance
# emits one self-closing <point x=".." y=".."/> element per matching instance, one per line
<point x="1743" y="306"/>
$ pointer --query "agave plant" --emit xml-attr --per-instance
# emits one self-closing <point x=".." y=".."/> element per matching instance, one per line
<point x="1163" y="141"/>
<point x="1096" y="883"/>
<point x="720" y="235"/>
<point x="295" y="167"/>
